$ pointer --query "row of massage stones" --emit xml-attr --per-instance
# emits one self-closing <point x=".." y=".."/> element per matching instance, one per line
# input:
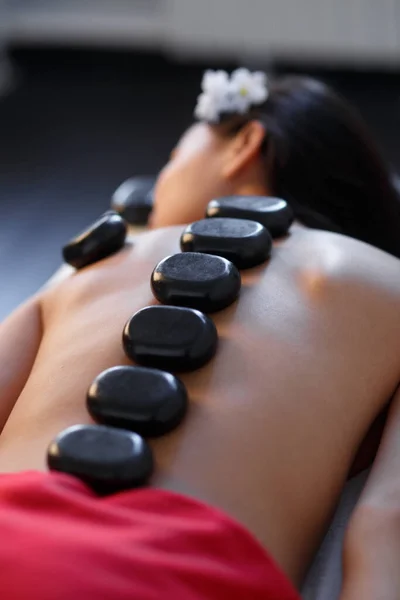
<point x="134" y="403"/>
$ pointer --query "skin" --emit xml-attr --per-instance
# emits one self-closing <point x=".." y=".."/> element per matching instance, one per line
<point x="308" y="357"/>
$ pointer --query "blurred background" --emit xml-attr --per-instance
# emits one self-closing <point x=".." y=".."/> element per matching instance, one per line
<point x="95" y="91"/>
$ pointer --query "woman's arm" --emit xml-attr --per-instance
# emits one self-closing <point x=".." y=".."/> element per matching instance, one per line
<point x="20" y="336"/>
<point x="372" y="545"/>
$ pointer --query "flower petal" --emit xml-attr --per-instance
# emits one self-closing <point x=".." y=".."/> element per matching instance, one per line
<point x="206" y="109"/>
<point x="215" y="81"/>
<point x="241" y="77"/>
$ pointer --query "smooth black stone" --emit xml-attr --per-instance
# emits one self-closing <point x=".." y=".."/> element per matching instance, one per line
<point x="133" y="200"/>
<point x="147" y="401"/>
<point x="105" y="458"/>
<point x="274" y="213"/>
<point x="243" y="242"/>
<point x="105" y="237"/>
<point x="202" y="281"/>
<point x="170" y="337"/>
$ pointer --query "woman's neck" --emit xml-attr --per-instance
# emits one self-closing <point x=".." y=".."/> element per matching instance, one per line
<point x="252" y="189"/>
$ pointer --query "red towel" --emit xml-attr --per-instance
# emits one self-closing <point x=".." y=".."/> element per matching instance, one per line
<point x="58" y="541"/>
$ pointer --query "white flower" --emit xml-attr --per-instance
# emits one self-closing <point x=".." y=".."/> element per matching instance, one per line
<point x="252" y="86"/>
<point x="215" y="82"/>
<point x="236" y="94"/>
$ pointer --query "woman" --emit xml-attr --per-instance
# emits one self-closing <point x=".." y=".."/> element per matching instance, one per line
<point x="309" y="356"/>
<point x="304" y="144"/>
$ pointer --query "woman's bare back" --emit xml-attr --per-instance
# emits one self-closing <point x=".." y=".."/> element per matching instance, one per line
<point x="307" y="358"/>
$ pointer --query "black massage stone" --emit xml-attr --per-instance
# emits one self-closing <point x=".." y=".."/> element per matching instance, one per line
<point x="274" y="213"/>
<point x="170" y="337"/>
<point x="133" y="200"/>
<point x="202" y="281"/>
<point x="243" y="242"/>
<point x="147" y="401"/>
<point x="105" y="237"/>
<point x="107" y="459"/>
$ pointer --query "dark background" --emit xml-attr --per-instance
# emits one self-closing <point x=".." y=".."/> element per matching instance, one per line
<point x="77" y="123"/>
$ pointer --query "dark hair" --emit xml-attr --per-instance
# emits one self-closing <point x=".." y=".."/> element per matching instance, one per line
<point x="322" y="160"/>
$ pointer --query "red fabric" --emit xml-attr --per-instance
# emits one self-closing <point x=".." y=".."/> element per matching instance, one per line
<point x="60" y="542"/>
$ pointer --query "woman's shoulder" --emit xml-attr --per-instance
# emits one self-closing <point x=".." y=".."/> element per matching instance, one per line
<point x="341" y="259"/>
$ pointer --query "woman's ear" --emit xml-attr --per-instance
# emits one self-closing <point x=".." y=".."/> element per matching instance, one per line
<point x="244" y="149"/>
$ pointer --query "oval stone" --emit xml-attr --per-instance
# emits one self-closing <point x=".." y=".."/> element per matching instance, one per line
<point x="274" y="213"/>
<point x="105" y="237"/>
<point x="174" y="338"/>
<point x="148" y="401"/>
<point x="105" y="458"/>
<point x="243" y="242"/>
<point x="202" y="281"/>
